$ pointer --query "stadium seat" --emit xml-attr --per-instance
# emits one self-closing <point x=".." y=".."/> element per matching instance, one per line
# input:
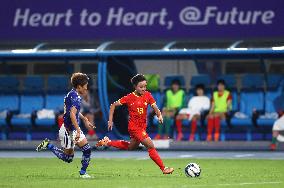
<point x="33" y="85"/>
<point x="274" y="101"/>
<point x="28" y="105"/>
<point x="251" y="98"/>
<point x="57" y="84"/>
<point x="9" y="85"/>
<point x="200" y="79"/>
<point x="52" y="102"/>
<point x="9" y="103"/>
<point x="170" y="78"/>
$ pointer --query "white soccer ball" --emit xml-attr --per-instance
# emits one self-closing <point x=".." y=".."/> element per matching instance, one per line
<point x="192" y="170"/>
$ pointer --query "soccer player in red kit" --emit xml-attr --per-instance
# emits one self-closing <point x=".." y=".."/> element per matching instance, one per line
<point x="137" y="103"/>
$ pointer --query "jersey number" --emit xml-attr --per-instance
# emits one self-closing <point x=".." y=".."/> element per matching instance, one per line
<point x="140" y="110"/>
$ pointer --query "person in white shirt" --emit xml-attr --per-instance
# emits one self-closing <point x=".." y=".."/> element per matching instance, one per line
<point x="196" y="105"/>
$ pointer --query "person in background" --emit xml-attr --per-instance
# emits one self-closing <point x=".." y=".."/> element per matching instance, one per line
<point x="89" y="112"/>
<point x="174" y="100"/>
<point x="278" y="126"/>
<point x="221" y="104"/>
<point x="196" y="105"/>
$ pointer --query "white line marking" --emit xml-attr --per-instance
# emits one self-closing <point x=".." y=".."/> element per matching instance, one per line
<point x="237" y="184"/>
<point x="185" y="156"/>
<point x="244" y="155"/>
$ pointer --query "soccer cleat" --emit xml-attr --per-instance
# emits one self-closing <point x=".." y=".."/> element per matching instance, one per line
<point x="103" y="142"/>
<point x="85" y="176"/>
<point x="43" y="145"/>
<point x="168" y="170"/>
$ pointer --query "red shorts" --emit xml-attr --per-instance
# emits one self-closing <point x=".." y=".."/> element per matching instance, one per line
<point x="138" y="134"/>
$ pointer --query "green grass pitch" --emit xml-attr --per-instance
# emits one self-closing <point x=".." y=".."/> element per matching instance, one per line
<point x="123" y="173"/>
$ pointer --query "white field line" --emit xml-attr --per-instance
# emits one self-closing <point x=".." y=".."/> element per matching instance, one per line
<point x="236" y="184"/>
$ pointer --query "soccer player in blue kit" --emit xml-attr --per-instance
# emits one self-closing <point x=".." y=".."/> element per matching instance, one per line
<point x="70" y="133"/>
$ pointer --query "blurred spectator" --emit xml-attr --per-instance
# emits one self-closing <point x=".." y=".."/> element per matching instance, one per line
<point x="173" y="101"/>
<point x="89" y="111"/>
<point x="278" y="126"/>
<point x="221" y="104"/>
<point x="196" y="105"/>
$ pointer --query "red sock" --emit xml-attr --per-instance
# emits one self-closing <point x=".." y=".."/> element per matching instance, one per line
<point x="217" y="128"/>
<point x="91" y="132"/>
<point x="179" y="125"/>
<point x="156" y="158"/>
<point x="210" y="128"/>
<point x="193" y="128"/>
<point x="120" y="144"/>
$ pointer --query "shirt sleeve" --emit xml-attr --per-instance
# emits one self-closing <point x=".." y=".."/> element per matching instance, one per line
<point x="151" y="99"/>
<point x="123" y="100"/>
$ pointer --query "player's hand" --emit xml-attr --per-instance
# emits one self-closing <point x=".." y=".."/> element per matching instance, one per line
<point x="109" y="125"/>
<point x="160" y="119"/>
<point x="88" y="124"/>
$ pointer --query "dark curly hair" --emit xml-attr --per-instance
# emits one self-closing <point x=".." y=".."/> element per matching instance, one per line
<point x="79" y="78"/>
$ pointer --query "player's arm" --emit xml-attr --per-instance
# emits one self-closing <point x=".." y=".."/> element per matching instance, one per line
<point x="73" y="112"/>
<point x="212" y="108"/>
<point x="111" y="112"/>
<point x="158" y="113"/>
<point x="87" y="123"/>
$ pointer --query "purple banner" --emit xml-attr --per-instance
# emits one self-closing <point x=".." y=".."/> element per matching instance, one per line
<point x="140" y="20"/>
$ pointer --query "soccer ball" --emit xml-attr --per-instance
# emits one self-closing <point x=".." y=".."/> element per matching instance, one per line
<point x="192" y="170"/>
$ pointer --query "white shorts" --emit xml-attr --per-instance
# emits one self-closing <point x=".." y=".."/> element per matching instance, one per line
<point x="189" y="112"/>
<point x="279" y="124"/>
<point x="68" y="141"/>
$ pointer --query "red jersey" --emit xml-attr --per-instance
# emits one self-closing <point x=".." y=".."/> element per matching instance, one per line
<point x="137" y="107"/>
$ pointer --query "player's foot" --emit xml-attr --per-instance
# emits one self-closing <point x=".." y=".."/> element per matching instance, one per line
<point x="179" y="136"/>
<point x="42" y="145"/>
<point x="168" y="170"/>
<point x="85" y="176"/>
<point x="272" y="147"/>
<point x="103" y="142"/>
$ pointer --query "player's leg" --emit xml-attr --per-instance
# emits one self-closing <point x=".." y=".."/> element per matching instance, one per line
<point x="86" y="157"/>
<point x="210" y="126"/>
<point x="65" y="155"/>
<point x="168" y="123"/>
<point x="217" y="124"/>
<point x="194" y="120"/>
<point x="120" y="144"/>
<point x="179" y="119"/>
<point x="147" y="142"/>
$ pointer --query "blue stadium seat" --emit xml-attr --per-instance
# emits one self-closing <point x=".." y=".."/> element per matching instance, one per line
<point x="9" y="103"/>
<point x="33" y="85"/>
<point x="52" y="102"/>
<point x="251" y="98"/>
<point x="200" y="79"/>
<point x="9" y="85"/>
<point x="274" y="100"/>
<point x="57" y="84"/>
<point x="170" y="78"/>
<point x="28" y="104"/>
